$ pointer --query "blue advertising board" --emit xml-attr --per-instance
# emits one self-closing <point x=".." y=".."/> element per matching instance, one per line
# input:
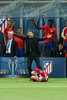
<point x="17" y="67"/>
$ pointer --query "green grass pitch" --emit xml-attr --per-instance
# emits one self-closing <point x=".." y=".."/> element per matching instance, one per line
<point x="23" y="89"/>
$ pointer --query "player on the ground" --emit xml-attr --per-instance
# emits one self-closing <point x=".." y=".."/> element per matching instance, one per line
<point x="39" y="76"/>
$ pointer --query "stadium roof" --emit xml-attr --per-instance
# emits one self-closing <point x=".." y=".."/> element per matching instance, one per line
<point x="33" y="1"/>
<point x="33" y="7"/>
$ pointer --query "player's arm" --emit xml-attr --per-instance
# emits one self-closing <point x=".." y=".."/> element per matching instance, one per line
<point x="55" y="35"/>
<point x="36" y="25"/>
<point x="62" y="34"/>
<point x="56" y="39"/>
<point x="21" y="37"/>
<point x="41" y="39"/>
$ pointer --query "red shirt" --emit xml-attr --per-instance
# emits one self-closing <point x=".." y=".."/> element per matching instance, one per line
<point x="19" y="41"/>
<point x="65" y="33"/>
<point x="6" y="31"/>
<point x="47" y="30"/>
<point x="65" y="53"/>
<point x="42" y="73"/>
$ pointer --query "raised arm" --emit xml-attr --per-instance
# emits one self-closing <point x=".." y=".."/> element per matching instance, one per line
<point x="36" y="25"/>
<point x="62" y="35"/>
<point x="55" y="36"/>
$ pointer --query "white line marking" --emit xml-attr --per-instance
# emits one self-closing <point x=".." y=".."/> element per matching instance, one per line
<point x="18" y="87"/>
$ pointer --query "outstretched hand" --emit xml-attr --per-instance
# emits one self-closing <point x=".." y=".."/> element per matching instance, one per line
<point x="49" y="36"/>
<point x="13" y="23"/>
<point x="34" y="21"/>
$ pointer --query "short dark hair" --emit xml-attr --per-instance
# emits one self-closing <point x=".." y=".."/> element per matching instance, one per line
<point x="50" y="20"/>
<point x="31" y="31"/>
<point x="60" y="43"/>
<point x="19" y="28"/>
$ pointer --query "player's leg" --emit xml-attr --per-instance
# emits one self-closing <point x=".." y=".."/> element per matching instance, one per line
<point x="66" y="45"/>
<point x="29" y="65"/>
<point x="33" y="73"/>
<point x="51" y="45"/>
<point x="37" y="60"/>
<point x="34" y="78"/>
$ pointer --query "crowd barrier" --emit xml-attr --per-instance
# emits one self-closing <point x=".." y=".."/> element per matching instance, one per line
<point x="17" y="67"/>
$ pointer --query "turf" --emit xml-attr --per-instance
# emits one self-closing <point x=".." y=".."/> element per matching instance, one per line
<point x="23" y="89"/>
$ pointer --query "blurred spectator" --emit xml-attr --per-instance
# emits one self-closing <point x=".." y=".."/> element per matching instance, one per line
<point x="2" y="44"/>
<point x="46" y="51"/>
<point x="10" y="27"/>
<point x="64" y="35"/>
<point x="60" y="51"/>
<point x="11" y="47"/>
<point x="20" y="43"/>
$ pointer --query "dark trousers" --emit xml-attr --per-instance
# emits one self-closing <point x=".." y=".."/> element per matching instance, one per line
<point x="30" y="59"/>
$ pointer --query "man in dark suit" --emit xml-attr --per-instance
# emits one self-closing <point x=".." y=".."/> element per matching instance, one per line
<point x="2" y="44"/>
<point x="11" y="47"/>
<point x="60" y="50"/>
<point x="32" y="48"/>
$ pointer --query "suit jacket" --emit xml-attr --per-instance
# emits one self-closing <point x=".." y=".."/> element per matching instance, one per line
<point x="14" y="49"/>
<point x="2" y="47"/>
<point x="33" y="43"/>
<point x="59" y="53"/>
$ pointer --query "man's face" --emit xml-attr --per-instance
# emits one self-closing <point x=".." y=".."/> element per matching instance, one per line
<point x="50" y="23"/>
<point x="9" y="23"/>
<point x="19" y="31"/>
<point x="60" y="46"/>
<point x="10" y="36"/>
<point x="30" y="34"/>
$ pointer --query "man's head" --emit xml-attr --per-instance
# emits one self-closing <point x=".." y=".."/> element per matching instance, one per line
<point x="19" y="30"/>
<point x="50" y="23"/>
<point x="10" y="36"/>
<point x="60" y="46"/>
<point x="31" y="34"/>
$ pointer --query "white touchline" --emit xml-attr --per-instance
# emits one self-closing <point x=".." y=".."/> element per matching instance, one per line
<point x="11" y="87"/>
